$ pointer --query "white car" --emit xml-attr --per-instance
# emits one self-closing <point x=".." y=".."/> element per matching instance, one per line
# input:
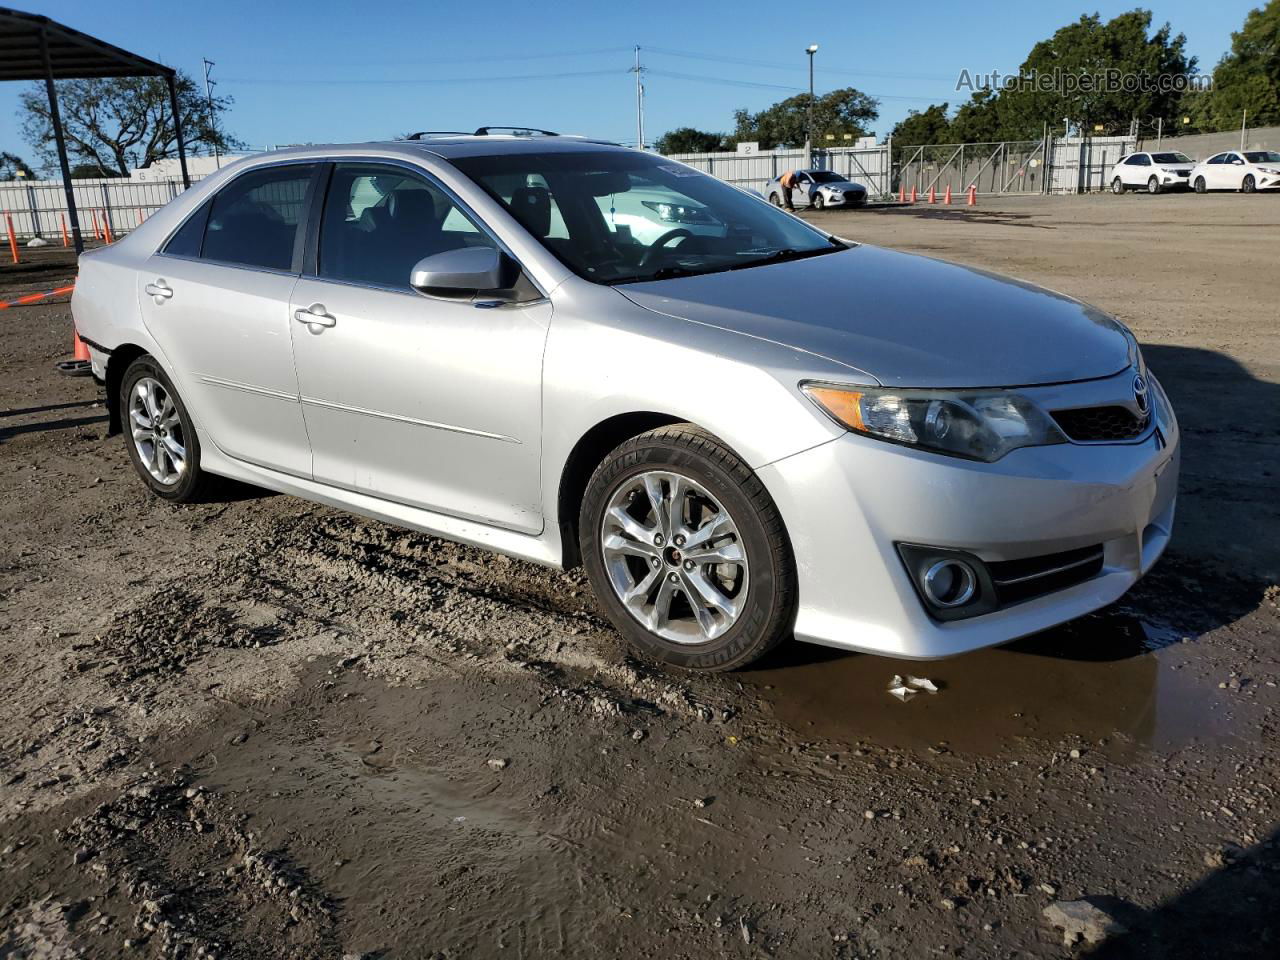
<point x="1243" y="170"/>
<point x="1152" y="172"/>
<point x="818" y="189"/>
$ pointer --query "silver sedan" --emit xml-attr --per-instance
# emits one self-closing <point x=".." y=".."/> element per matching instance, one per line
<point x="571" y="352"/>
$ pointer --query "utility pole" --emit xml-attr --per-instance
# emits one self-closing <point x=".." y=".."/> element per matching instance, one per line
<point x="638" y="71"/>
<point x="1244" y="126"/>
<point x="1159" y="131"/>
<point x="213" y="124"/>
<point x="808" y="130"/>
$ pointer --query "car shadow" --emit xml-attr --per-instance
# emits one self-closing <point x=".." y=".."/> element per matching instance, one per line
<point x="1231" y="914"/>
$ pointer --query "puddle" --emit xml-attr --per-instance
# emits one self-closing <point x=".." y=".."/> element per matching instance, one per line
<point x="1110" y="676"/>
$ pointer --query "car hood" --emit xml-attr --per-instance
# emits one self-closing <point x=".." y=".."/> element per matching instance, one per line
<point x="1176" y="166"/>
<point x="843" y="186"/>
<point x="904" y="319"/>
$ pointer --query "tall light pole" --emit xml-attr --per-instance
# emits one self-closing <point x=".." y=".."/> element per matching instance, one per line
<point x="639" y="71"/>
<point x="808" y="131"/>
<point x="213" y="128"/>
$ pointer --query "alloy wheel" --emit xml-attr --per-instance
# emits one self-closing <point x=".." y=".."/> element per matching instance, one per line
<point x="674" y="557"/>
<point x="157" y="431"/>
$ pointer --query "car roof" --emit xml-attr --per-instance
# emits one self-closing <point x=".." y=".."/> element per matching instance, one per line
<point x="446" y="147"/>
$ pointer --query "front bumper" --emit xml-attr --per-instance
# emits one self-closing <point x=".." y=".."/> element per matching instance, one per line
<point x="850" y="199"/>
<point x="849" y="502"/>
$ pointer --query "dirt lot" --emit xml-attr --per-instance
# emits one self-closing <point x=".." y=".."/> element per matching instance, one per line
<point x="258" y="728"/>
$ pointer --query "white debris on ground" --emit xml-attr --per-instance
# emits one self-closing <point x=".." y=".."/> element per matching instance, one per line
<point x="905" y="689"/>
<point x="1080" y="919"/>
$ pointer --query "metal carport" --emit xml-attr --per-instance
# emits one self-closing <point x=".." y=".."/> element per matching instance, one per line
<point x="33" y="47"/>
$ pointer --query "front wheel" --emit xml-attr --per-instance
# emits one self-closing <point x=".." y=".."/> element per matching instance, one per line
<point x="159" y="434"/>
<point x="1248" y="185"/>
<point x="1153" y="185"/>
<point x="1117" y="186"/>
<point x="818" y="202"/>
<point x="686" y="551"/>
<point x="1200" y="185"/>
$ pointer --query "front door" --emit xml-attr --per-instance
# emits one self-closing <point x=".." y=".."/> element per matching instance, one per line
<point x="216" y="300"/>
<point x="428" y="402"/>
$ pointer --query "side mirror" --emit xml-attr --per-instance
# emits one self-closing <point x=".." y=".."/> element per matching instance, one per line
<point x="467" y="272"/>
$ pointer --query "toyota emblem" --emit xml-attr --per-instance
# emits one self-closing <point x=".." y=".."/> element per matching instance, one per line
<point x="1140" y="393"/>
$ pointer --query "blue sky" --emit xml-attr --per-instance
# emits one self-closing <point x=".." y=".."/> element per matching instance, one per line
<point x="324" y="71"/>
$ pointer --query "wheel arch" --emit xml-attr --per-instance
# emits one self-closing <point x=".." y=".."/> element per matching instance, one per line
<point x="587" y="454"/>
<point x="119" y="361"/>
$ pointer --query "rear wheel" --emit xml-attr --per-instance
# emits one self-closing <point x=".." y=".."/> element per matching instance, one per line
<point x="159" y="435"/>
<point x="775" y="199"/>
<point x="1248" y="185"/>
<point x="686" y="551"/>
<point x="1153" y="185"/>
<point x="1200" y="185"/>
<point x="1117" y="186"/>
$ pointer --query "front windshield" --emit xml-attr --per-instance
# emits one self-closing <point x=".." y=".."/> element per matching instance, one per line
<point x="616" y="216"/>
<point x="1169" y="158"/>
<point x="1263" y="156"/>
<point x="825" y="176"/>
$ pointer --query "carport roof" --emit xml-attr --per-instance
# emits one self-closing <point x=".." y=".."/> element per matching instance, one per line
<point x="71" y="53"/>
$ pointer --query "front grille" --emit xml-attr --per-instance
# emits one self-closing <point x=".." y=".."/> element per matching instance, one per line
<point x="1100" y="424"/>
<point x="1019" y="580"/>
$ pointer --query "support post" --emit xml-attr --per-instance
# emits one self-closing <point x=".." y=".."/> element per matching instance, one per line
<point x="56" y="119"/>
<point x="177" y="130"/>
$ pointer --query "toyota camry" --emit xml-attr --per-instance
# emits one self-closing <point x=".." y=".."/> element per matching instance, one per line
<point x="745" y="428"/>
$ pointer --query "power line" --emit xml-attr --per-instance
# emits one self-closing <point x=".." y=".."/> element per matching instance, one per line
<point x="699" y="78"/>
<point x="775" y="65"/>
<point x="405" y="81"/>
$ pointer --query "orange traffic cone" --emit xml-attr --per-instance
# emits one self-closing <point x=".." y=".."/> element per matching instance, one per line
<point x="902" y="193"/>
<point x="973" y="194"/>
<point x="65" y="241"/>
<point x="914" y="196"/>
<point x="80" y="365"/>
<point x="946" y="196"/>
<point x="933" y="196"/>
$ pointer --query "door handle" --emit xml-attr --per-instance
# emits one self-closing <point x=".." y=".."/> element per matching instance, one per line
<point x="159" y="290"/>
<point x="315" y="316"/>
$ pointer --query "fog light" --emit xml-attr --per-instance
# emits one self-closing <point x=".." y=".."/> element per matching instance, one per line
<point x="950" y="583"/>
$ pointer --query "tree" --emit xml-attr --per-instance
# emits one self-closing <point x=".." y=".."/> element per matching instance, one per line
<point x="1085" y="55"/>
<point x="978" y="120"/>
<point x="1248" y="78"/>
<point x="924" y="127"/>
<point x="13" y="166"/>
<point x="123" y="123"/>
<point x="688" y="140"/>
<point x="840" y="112"/>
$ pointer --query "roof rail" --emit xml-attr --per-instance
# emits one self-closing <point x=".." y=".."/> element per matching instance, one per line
<point x="437" y="133"/>
<point x="487" y="131"/>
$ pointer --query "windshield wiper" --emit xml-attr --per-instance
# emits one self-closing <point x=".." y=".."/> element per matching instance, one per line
<point x="663" y="273"/>
<point x="787" y="253"/>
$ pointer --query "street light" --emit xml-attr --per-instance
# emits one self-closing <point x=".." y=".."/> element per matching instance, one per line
<point x="808" y="132"/>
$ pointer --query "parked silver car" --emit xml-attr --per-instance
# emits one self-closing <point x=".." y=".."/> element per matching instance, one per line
<point x="818" y="189"/>
<point x="747" y="431"/>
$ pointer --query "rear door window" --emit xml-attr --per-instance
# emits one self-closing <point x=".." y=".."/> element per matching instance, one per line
<point x="254" y="220"/>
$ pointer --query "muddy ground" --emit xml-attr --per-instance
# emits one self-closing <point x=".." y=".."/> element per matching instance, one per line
<point x="260" y="728"/>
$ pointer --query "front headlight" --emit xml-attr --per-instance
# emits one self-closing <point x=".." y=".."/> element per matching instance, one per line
<point x="975" y="424"/>
<point x="1270" y="170"/>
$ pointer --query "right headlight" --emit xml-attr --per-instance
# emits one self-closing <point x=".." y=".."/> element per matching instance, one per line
<point x="975" y="424"/>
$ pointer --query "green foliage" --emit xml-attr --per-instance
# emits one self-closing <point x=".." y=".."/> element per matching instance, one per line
<point x="840" y="112"/>
<point x="119" y="124"/>
<point x="927" y="127"/>
<point x="11" y="166"/>
<point x="688" y="140"/>
<point x="1248" y="78"/>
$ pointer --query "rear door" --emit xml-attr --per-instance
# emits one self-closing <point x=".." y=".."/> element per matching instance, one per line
<point x="216" y="300"/>
<point x="429" y="402"/>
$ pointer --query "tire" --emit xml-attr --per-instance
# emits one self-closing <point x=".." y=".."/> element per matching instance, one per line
<point x="1248" y="184"/>
<point x="775" y="199"/>
<point x="818" y="202"/>
<point x="1200" y="186"/>
<point x="1117" y="186"/>
<point x="1153" y="186"/>
<point x="642" y="555"/>
<point x="171" y="477"/>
